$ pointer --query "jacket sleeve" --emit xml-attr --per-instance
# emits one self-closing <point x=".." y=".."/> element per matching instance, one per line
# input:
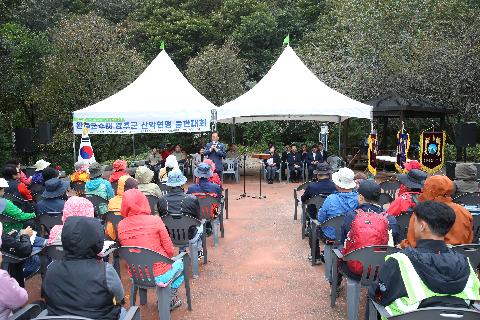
<point x="165" y="239"/>
<point x="13" y="211"/>
<point x="389" y="285"/>
<point x="207" y="149"/>
<point x="221" y="151"/>
<point x="21" y="248"/>
<point x="411" y="240"/>
<point x="162" y="207"/>
<point x="114" y="283"/>
<point x="22" y="188"/>
<point x="24" y="179"/>
<point x="13" y="296"/>
<point x="322" y="213"/>
<point x="306" y="194"/>
<point x="111" y="194"/>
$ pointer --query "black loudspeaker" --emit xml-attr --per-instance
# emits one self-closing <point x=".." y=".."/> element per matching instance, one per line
<point x="24" y="140"/>
<point x="45" y="133"/>
<point x="466" y="134"/>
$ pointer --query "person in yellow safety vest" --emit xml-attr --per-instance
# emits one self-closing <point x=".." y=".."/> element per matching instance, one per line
<point x="430" y="275"/>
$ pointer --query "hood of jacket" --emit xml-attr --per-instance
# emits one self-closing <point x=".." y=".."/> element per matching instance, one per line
<point x="436" y="270"/>
<point x="82" y="238"/>
<point x="437" y="188"/>
<point x="143" y="175"/>
<point x="368" y="207"/>
<point x="121" y="185"/>
<point x="347" y="200"/>
<point x="134" y="203"/>
<point x="93" y="184"/>
<point x="466" y="171"/>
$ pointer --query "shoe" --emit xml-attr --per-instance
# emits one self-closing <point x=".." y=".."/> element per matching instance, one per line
<point x="200" y="255"/>
<point x="322" y="256"/>
<point x="175" y="303"/>
<point x="317" y="261"/>
<point x="208" y="232"/>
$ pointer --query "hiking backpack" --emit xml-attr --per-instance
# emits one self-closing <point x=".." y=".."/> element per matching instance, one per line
<point x="367" y="229"/>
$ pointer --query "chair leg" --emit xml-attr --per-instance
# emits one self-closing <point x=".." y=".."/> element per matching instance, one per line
<point x="116" y="264"/>
<point x="333" y="291"/>
<point x="215" y="231"/>
<point x="194" y="259"/>
<point x="372" y="311"/>
<point x="353" y="296"/>
<point x="143" y="296"/>
<point x="133" y="294"/>
<point x="313" y="234"/>
<point x="296" y="203"/>
<point x="220" y="217"/>
<point x="186" y="276"/>
<point x="204" y="246"/>
<point x="163" y="302"/>
<point x="226" y="203"/>
<point x="327" y="254"/>
<point x="304" y="223"/>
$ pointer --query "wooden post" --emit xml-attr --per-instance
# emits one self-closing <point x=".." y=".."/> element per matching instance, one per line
<point x="383" y="144"/>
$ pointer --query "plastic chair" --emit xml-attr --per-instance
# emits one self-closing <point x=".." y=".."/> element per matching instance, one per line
<point x="476" y="228"/>
<point x="288" y="173"/>
<point x="115" y="186"/>
<point x="391" y="187"/>
<point x="225" y="202"/>
<point x="22" y="204"/>
<point x="403" y="222"/>
<point x="38" y="197"/>
<point x="55" y="252"/>
<point x="384" y="199"/>
<point x="164" y="188"/>
<point x="152" y="201"/>
<point x="372" y="259"/>
<point x="297" y="198"/>
<point x="424" y="313"/>
<point x="468" y="199"/>
<point x="4" y="218"/>
<point x="78" y="186"/>
<point x="277" y="172"/>
<point x="318" y="201"/>
<point x="132" y="314"/>
<point x="329" y="257"/>
<point x="206" y="202"/>
<point x="30" y="311"/>
<point x="97" y="202"/>
<point x="177" y="226"/>
<point x="471" y="251"/>
<point x="9" y="259"/>
<point x="35" y="187"/>
<point x="48" y="220"/>
<point x="230" y="162"/>
<point x="114" y="219"/>
<point x="140" y="262"/>
<point x="335" y="163"/>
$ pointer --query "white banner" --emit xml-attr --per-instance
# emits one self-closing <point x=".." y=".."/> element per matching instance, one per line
<point x="139" y="125"/>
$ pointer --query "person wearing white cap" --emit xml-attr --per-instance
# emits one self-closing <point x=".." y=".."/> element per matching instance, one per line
<point x="40" y="165"/>
<point x="340" y="202"/>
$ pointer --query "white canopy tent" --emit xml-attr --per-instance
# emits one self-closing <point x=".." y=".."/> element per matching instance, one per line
<point x="160" y="100"/>
<point x="290" y="91"/>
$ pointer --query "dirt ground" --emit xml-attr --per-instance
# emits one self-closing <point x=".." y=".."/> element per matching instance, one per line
<point x="258" y="271"/>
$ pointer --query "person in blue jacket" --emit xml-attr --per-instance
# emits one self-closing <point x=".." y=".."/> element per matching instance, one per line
<point x="215" y="151"/>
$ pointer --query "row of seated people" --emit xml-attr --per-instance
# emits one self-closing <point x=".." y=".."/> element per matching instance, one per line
<point x="425" y="263"/>
<point x="296" y="159"/>
<point x="132" y="202"/>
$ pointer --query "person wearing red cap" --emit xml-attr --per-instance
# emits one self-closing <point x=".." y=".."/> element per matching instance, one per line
<point x="412" y="164"/>
<point x="118" y="166"/>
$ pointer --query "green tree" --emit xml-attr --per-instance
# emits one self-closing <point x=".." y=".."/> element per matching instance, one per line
<point x="217" y="73"/>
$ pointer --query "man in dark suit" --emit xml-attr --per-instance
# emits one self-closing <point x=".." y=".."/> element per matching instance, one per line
<point x="304" y="152"/>
<point x="313" y="158"/>
<point x="215" y="151"/>
<point x="284" y="161"/>
<point x="322" y="152"/>
<point x="295" y="164"/>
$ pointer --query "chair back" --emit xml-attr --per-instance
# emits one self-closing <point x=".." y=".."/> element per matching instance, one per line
<point x="115" y="186"/>
<point x="96" y="200"/>
<point x="164" y="188"/>
<point x="476" y="228"/>
<point x="177" y="226"/>
<point x="78" y="186"/>
<point x="114" y="219"/>
<point x="372" y="259"/>
<point x="391" y="187"/>
<point x="20" y="203"/>
<point x="335" y="162"/>
<point x="54" y="252"/>
<point x="468" y="199"/>
<point x="30" y="311"/>
<point x="230" y="162"/>
<point x="4" y="218"/>
<point x="140" y="262"/>
<point x="152" y="201"/>
<point x="471" y="251"/>
<point x="439" y="313"/>
<point x="384" y="199"/>
<point x="35" y="187"/>
<point x="335" y="222"/>
<point x="207" y="202"/>
<point x="50" y="219"/>
<point x="37" y="197"/>
<point x="317" y="200"/>
<point x="303" y="186"/>
<point x="403" y="222"/>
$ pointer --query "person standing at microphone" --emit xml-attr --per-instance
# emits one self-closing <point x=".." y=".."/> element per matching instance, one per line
<point x="215" y="151"/>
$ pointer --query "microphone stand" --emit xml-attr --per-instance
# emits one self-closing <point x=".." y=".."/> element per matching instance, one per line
<point x="244" y="195"/>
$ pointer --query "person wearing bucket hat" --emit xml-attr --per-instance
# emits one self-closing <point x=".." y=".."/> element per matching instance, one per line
<point x="54" y="190"/>
<point x="119" y="167"/>
<point x="412" y="164"/>
<point x="177" y="202"/>
<point x="8" y="208"/>
<point x="97" y="185"/>
<point x="204" y="173"/>
<point x="214" y="178"/>
<point x="80" y="173"/>
<point x="47" y="174"/>
<point x="413" y="182"/>
<point x="439" y="188"/>
<point x="40" y="165"/>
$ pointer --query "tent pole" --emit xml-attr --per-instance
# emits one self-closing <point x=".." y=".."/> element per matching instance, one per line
<point x="233" y="130"/>
<point x="133" y="143"/>
<point x="339" y="139"/>
<point x="74" y="150"/>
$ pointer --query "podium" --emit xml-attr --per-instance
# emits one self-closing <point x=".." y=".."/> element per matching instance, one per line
<point x="261" y="157"/>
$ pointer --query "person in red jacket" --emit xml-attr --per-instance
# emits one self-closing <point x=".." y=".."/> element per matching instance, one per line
<point x="118" y="166"/>
<point x="412" y="164"/>
<point x="141" y="229"/>
<point x="413" y="182"/>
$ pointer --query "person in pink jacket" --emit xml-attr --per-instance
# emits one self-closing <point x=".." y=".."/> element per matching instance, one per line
<point x="12" y="296"/>
<point x="141" y="229"/>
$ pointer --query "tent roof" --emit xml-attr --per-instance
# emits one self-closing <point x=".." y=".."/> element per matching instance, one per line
<point x="160" y="90"/>
<point x="291" y="91"/>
